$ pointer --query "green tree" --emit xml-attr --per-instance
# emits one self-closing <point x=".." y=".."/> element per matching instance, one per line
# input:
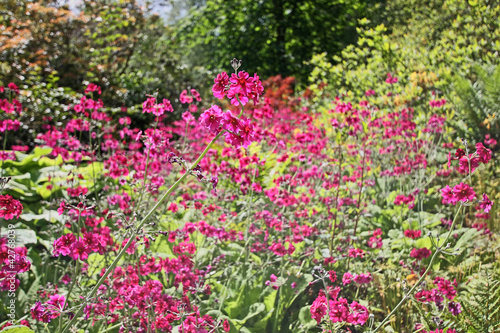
<point x="271" y="37"/>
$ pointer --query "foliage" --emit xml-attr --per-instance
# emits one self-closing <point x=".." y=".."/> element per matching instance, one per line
<point x="478" y="102"/>
<point x="119" y="45"/>
<point x="325" y="186"/>
<point x="282" y="34"/>
<point x="481" y="305"/>
<point x="348" y="206"/>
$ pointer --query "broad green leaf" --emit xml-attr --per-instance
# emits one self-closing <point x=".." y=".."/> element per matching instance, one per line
<point x="17" y="329"/>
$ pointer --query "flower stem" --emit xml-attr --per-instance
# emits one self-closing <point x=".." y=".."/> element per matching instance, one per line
<point x="405" y="297"/>
<point x="132" y="238"/>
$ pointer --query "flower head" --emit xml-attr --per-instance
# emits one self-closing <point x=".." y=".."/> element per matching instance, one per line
<point x="486" y="203"/>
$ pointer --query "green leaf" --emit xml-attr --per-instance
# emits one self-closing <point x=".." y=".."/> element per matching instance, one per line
<point x="25" y="236"/>
<point x="17" y="329"/>
<point x="424" y="242"/>
<point x="306" y="319"/>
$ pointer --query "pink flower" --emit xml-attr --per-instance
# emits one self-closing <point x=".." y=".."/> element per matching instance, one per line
<point x="246" y="132"/>
<point x="39" y="312"/>
<point x="212" y="118"/>
<point x="57" y="301"/>
<point x="231" y="123"/>
<point x="184" y="98"/>
<point x="448" y="196"/>
<point x="225" y="326"/>
<point x="486" y="203"/>
<point x="354" y="253"/>
<point x="483" y="152"/>
<point x="420" y="254"/>
<point x="391" y="79"/>
<point x="347" y="278"/>
<point x="12" y="86"/>
<point x="219" y="88"/>
<point x="413" y="234"/>
<point x="242" y="82"/>
<point x="363" y="278"/>
<point x="10" y="207"/>
<point x="318" y="308"/>
<point x="359" y="314"/>
<point x="196" y="95"/>
<point x="93" y="87"/>
<point x="454" y="308"/>
<point x="332" y="276"/>
<point x="64" y="244"/>
<point x="464" y="192"/>
<point x="339" y="310"/>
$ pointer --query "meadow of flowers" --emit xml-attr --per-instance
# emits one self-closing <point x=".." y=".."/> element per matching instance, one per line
<point x="268" y="211"/>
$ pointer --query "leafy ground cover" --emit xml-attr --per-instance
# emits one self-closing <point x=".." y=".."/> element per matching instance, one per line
<point x="269" y="211"/>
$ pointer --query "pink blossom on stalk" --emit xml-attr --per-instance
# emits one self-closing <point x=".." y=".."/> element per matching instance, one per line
<point x="486" y="203"/>
<point x="93" y="87"/>
<point x="455" y="308"/>
<point x="257" y="89"/>
<point x="235" y="94"/>
<point x="464" y="192"/>
<point x="468" y="164"/>
<point x="64" y="244"/>
<point x="241" y="82"/>
<point x="420" y="254"/>
<point x="319" y="308"/>
<point x="212" y="118"/>
<point x="339" y="310"/>
<point x="196" y="95"/>
<point x="448" y="196"/>
<point x="40" y="313"/>
<point x="231" y="123"/>
<point x="225" y="326"/>
<point x="363" y="278"/>
<point x="79" y="251"/>
<point x="413" y="234"/>
<point x="332" y="275"/>
<point x="184" y="98"/>
<point x="391" y="79"/>
<point x="10" y="207"/>
<point x="483" y="153"/>
<point x="12" y="86"/>
<point x="57" y="301"/>
<point x="188" y="117"/>
<point x="347" y="278"/>
<point x="359" y="314"/>
<point x="219" y="88"/>
<point x="247" y="131"/>
<point x="354" y="253"/>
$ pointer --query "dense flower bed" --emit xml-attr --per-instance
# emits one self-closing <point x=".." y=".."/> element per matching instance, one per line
<point x="268" y="211"/>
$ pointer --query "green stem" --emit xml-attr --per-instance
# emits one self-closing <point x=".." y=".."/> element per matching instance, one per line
<point x="132" y="237"/>
<point x="4" y="146"/>
<point x="405" y="297"/>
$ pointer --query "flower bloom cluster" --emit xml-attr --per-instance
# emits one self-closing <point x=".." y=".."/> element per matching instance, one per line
<point x="11" y="106"/>
<point x="445" y="288"/>
<point x="12" y="262"/>
<point x="239" y="88"/>
<point x="9" y="207"/>
<point x="436" y="103"/>
<point x="467" y="164"/>
<point x="239" y="131"/>
<point x="420" y="254"/>
<point x="338" y="310"/>
<point x="413" y="234"/>
<point x="375" y="241"/>
<point x="358" y="278"/>
<point x="151" y="106"/>
<point x="406" y="200"/>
